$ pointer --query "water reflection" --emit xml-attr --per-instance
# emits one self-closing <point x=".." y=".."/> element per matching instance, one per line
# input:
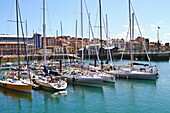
<point x="52" y="96"/>
<point x="109" y="85"/>
<point x="16" y="94"/>
<point x="81" y="88"/>
<point x="137" y="82"/>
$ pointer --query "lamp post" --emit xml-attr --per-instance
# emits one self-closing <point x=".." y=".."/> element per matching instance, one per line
<point x="158" y="38"/>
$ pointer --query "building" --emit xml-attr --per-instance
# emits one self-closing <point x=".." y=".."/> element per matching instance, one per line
<point x="9" y="45"/>
<point x="11" y="48"/>
<point x="144" y="43"/>
<point x="37" y="40"/>
<point x="153" y="47"/>
<point x="136" y="45"/>
<point x="118" y="43"/>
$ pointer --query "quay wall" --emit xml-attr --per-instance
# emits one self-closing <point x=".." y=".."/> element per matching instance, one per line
<point x="117" y="56"/>
<point x="153" y="56"/>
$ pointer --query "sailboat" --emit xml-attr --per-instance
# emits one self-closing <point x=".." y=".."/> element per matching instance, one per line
<point x="48" y="82"/>
<point x="12" y="82"/>
<point x="134" y="70"/>
<point x="79" y="75"/>
<point x="98" y="70"/>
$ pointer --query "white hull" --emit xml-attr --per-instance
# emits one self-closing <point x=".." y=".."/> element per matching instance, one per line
<point x="108" y="78"/>
<point x="16" y="85"/>
<point x="59" y="85"/>
<point x="134" y="75"/>
<point x="84" y="80"/>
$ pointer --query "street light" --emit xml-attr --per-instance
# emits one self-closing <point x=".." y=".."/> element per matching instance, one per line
<point x="158" y="37"/>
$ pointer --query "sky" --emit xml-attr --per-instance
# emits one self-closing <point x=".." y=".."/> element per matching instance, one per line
<point x="150" y="14"/>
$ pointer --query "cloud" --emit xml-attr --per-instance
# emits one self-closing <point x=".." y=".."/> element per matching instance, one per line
<point x="123" y="34"/>
<point x="165" y="38"/>
<point x="153" y="27"/>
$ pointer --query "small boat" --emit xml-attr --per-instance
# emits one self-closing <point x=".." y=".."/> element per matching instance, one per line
<point x="17" y="85"/>
<point x="48" y="82"/>
<point x="8" y="64"/>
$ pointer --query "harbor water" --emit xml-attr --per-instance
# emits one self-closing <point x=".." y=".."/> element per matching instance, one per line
<point x="123" y="96"/>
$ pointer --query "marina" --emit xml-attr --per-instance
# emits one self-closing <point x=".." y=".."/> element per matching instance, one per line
<point x="95" y="73"/>
<point x="119" y="97"/>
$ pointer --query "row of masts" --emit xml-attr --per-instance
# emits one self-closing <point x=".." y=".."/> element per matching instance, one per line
<point x="131" y="31"/>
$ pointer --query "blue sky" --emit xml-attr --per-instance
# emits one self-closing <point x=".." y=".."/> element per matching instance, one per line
<point x="150" y="14"/>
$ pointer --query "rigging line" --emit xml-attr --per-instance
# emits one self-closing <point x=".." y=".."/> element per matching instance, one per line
<point x="65" y="43"/>
<point x="125" y="45"/>
<point x="106" y="32"/>
<point x="49" y="19"/>
<point x="76" y="40"/>
<point x="104" y="26"/>
<point x="92" y="32"/>
<point x="26" y="54"/>
<point x="41" y="18"/>
<point x="81" y="4"/>
<point x="9" y="25"/>
<point x="143" y="42"/>
<point x="96" y="21"/>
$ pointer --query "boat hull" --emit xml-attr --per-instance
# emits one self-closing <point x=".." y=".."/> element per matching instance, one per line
<point x="15" y="86"/>
<point x="109" y="79"/>
<point x="135" y="75"/>
<point x="49" y="86"/>
<point x="83" y="80"/>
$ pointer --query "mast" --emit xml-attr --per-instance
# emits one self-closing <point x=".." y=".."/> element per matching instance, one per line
<point x="100" y="54"/>
<point x="132" y="57"/>
<point x="56" y="33"/>
<point x="89" y="38"/>
<point x="26" y="37"/>
<point x="44" y="32"/>
<point x="61" y="28"/>
<point x="76" y="38"/>
<point x="107" y="37"/>
<point x="62" y="37"/>
<point x="158" y="37"/>
<point x="130" y="33"/>
<point x="26" y="29"/>
<point x="18" y="38"/>
<point x="82" y="32"/>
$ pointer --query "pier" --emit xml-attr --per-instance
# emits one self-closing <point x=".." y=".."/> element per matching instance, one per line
<point x="154" y="56"/>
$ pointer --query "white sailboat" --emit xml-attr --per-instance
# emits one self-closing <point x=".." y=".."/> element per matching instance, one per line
<point x="48" y="81"/>
<point x="51" y="83"/>
<point x="79" y="74"/>
<point x="83" y="77"/>
<point x="97" y="70"/>
<point x="134" y="70"/>
<point x="10" y="82"/>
